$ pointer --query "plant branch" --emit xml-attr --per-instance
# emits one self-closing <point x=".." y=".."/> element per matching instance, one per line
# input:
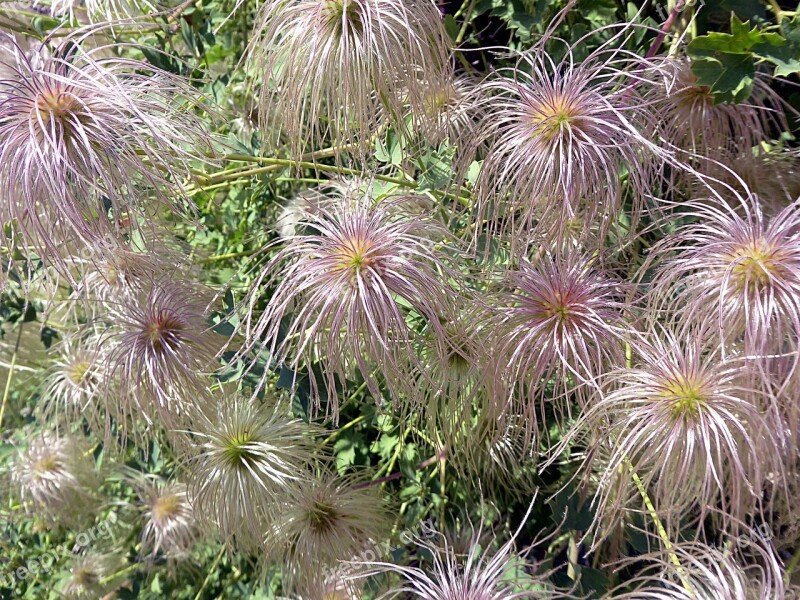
<point x="673" y="16"/>
<point x="7" y="390"/>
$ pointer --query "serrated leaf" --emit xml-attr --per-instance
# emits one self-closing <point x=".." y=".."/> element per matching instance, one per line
<point x="345" y="451"/>
<point x="730" y="76"/>
<point x="385" y="446"/>
<point x="785" y="55"/>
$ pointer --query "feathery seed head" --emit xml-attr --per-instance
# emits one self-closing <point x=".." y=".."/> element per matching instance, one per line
<point x="76" y="383"/>
<point x="479" y="574"/>
<point x="249" y="461"/>
<point x="559" y="133"/>
<point x="84" y="140"/>
<point x="161" y="345"/>
<point x="692" y="120"/>
<point x="171" y="526"/>
<point x="330" y="519"/>
<point x="449" y="109"/>
<point x="740" y="272"/>
<point x="349" y="286"/>
<point x="333" y="69"/>
<point x="680" y="420"/>
<point x="707" y="572"/>
<point x="57" y="477"/>
<point x="114" y="273"/>
<point x="91" y="576"/>
<point x="563" y="324"/>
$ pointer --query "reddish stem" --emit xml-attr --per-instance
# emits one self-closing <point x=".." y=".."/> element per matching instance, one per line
<point x="673" y="16"/>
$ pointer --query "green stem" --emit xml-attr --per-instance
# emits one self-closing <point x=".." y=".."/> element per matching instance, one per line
<point x="467" y="12"/>
<point x="349" y="425"/>
<point x="390" y="465"/>
<point x="776" y="9"/>
<point x="210" y="572"/>
<point x="792" y="566"/>
<point x="220" y="257"/>
<point x="285" y="162"/>
<point x="7" y="390"/>
<point x="113" y="576"/>
<point x="662" y="531"/>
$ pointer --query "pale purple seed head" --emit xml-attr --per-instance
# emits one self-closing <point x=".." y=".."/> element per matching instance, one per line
<point x="333" y="68"/>
<point x="75" y="386"/>
<point x="161" y="348"/>
<point x="171" y="528"/>
<point x="93" y="574"/>
<point x="55" y="475"/>
<point x="690" y="118"/>
<point x="86" y="142"/>
<point x="678" y="419"/>
<point x="353" y="291"/>
<point x="480" y="573"/>
<point x="559" y="137"/>
<point x="559" y="325"/>
<point x="736" y="271"/>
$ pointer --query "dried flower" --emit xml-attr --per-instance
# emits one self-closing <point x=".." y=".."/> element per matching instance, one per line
<point x="350" y="287"/>
<point x="55" y="474"/>
<point x="559" y="136"/>
<point x="75" y="386"/>
<point x="448" y="109"/>
<point x="249" y="461"/>
<point x="453" y="370"/>
<point x="740" y="272"/>
<point x="295" y="212"/>
<point x="708" y="573"/>
<point x="558" y="330"/>
<point x="92" y="576"/>
<point x="161" y="345"/>
<point x="84" y="140"/>
<point x="171" y="527"/>
<point x="112" y="274"/>
<point x="691" y="119"/>
<point x="679" y="420"/>
<point x="332" y="68"/>
<point x="481" y="574"/>
<point x="329" y="520"/>
<point x="492" y="447"/>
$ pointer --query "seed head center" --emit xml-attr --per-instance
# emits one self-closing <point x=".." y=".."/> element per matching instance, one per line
<point x="685" y="396"/>
<point x="322" y="516"/>
<point x="552" y="116"/>
<point x="163" y="329"/>
<point x="754" y="265"/>
<point x="78" y="372"/>
<point x="55" y="104"/>
<point x="236" y="448"/>
<point x="165" y="507"/>
<point x="47" y="464"/>
<point x="336" y="12"/>
<point x="355" y="254"/>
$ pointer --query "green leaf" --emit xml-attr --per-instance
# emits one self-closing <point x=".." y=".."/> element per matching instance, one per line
<point x="726" y="62"/>
<point x="385" y="446"/>
<point x="48" y="335"/>
<point x="730" y="77"/>
<point x="785" y="55"/>
<point x="451" y="26"/>
<point x="516" y="16"/>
